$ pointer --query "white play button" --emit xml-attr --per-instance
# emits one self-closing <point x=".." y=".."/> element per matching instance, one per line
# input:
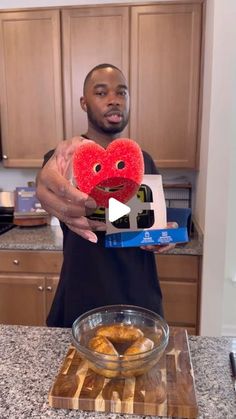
<point x="117" y="210"/>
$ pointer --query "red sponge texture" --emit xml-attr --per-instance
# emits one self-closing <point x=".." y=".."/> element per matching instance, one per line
<point x="116" y="171"/>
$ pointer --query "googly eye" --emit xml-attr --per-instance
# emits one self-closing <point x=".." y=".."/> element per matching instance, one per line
<point x="97" y="167"/>
<point x="120" y="164"/>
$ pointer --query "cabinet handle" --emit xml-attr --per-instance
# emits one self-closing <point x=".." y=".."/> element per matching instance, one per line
<point x="40" y="288"/>
<point x="16" y="262"/>
<point x="49" y="288"/>
<point x="4" y="157"/>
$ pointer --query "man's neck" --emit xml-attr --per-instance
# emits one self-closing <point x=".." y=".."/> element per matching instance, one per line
<point x="102" y="139"/>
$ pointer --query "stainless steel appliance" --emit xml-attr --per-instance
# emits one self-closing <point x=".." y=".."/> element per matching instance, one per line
<point x="6" y="211"/>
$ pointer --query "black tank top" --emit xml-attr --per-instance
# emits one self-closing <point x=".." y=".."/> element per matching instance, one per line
<point x="94" y="276"/>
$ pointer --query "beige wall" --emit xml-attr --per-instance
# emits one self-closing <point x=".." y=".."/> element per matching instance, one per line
<point x="215" y="184"/>
<point x="229" y="306"/>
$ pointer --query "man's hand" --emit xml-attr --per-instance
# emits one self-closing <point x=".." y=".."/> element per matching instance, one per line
<point x="163" y="248"/>
<point x="60" y="198"/>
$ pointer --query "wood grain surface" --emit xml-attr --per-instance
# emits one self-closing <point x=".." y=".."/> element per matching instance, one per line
<point x="167" y="390"/>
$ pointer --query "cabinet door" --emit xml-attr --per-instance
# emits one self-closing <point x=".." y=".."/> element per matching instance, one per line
<point x="178" y="267"/>
<point x="180" y="302"/>
<point x="165" y="74"/>
<point x="30" y="86"/>
<point x="31" y="261"/>
<point x="180" y="282"/>
<point x="91" y="36"/>
<point x="50" y="290"/>
<point x="22" y="299"/>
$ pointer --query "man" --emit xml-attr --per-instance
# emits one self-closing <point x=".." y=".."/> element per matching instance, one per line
<point x="92" y="275"/>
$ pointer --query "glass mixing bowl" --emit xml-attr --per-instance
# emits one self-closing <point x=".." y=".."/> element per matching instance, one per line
<point x="138" y="336"/>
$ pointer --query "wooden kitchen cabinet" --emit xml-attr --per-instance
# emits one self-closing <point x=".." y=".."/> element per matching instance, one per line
<point x="21" y="299"/>
<point x="180" y="280"/>
<point x="28" y="282"/>
<point x="162" y="64"/>
<point x="165" y="70"/>
<point x="46" y="54"/>
<point x="30" y="86"/>
<point x="91" y="36"/>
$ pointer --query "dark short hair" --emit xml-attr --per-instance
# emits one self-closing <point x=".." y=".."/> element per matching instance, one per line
<point x="98" y="67"/>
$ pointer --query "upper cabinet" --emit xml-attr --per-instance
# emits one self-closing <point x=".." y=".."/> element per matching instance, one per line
<point x="91" y="36"/>
<point x="165" y="70"/>
<point x="157" y="46"/>
<point x="30" y="86"/>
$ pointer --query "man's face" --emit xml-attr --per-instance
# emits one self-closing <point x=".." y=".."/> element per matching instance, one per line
<point x="106" y="101"/>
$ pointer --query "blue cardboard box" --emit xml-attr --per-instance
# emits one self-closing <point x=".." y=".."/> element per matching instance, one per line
<point x="147" y="237"/>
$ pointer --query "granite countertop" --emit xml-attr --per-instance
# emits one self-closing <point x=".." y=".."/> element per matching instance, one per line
<point x="31" y="356"/>
<point x="50" y="238"/>
<point x="32" y="238"/>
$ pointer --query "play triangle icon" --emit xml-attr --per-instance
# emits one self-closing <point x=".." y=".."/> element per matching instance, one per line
<point x="117" y="210"/>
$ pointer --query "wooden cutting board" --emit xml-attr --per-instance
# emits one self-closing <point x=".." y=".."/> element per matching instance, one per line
<point x="167" y="390"/>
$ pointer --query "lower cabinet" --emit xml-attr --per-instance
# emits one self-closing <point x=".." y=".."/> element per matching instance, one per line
<point x="180" y="279"/>
<point x="28" y="282"/>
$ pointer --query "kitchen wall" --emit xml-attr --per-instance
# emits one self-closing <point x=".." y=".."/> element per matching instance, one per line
<point x="228" y="54"/>
<point x="10" y="178"/>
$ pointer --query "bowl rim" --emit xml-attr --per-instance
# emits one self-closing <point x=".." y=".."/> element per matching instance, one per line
<point x="121" y="358"/>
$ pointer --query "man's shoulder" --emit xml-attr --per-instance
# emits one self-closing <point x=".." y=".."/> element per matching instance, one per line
<point x="146" y="156"/>
<point x="149" y="164"/>
<point x="47" y="156"/>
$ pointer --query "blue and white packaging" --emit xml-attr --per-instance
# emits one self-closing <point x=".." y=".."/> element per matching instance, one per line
<point x="146" y="224"/>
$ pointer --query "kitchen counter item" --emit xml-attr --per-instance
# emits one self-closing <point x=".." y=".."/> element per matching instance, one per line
<point x="166" y="390"/>
<point x="232" y="357"/>
<point x="6" y="211"/>
<point x="128" y="320"/>
<point x="4" y="227"/>
<point x="178" y="194"/>
<point x="180" y="215"/>
<point x="30" y="221"/>
<point x="31" y="356"/>
<point x="7" y="199"/>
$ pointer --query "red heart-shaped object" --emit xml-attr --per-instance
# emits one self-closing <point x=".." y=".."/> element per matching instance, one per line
<point x="114" y="172"/>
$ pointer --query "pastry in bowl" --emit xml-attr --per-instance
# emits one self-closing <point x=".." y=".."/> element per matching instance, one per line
<point x="120" y="341"/>
<point x="120" y="333"/>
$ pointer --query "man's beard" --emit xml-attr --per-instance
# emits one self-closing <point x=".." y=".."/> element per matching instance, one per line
<point x="112" y="129"/>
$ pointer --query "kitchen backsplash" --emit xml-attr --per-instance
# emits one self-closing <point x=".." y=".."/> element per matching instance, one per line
<point x="10" y="178"/>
